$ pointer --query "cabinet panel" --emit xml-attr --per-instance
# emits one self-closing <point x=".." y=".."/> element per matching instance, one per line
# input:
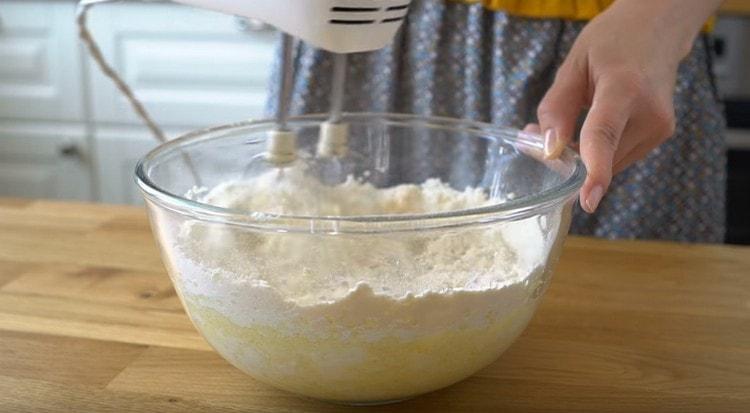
<point x="117" y="151"/>
<point x="44" y="161"/>
<point x="40" y="71"/>
<point x="189" y="66"/>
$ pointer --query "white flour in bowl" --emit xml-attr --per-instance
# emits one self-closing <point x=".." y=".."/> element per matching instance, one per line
<point x="359" y="317"/>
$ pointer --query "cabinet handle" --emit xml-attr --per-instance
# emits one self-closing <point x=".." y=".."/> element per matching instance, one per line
<point x="250" y="25"/>
<point x="70" y="150"/>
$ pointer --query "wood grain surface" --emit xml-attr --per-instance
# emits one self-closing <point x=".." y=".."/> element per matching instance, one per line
<point x="89" y="322"/>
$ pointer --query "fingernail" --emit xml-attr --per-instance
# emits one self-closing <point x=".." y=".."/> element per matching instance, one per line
<point x="595" y="196"/>
<point x="552" y="147"/>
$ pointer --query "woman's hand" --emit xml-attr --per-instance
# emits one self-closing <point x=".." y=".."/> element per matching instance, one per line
<point x="622" y="68"/>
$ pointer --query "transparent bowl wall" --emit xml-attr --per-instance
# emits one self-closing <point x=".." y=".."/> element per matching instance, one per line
<point x="359" y="357"/>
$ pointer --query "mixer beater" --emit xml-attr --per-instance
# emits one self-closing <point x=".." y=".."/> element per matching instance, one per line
<point x="333" y="132"/>
<point x="282" y="142"/>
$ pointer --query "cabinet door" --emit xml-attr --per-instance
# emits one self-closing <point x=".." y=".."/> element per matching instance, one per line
<point x="117" y="151"/>
<point x="189" y="66"/>
<point x="40" y="70"/>
<point x="44" y="161"/>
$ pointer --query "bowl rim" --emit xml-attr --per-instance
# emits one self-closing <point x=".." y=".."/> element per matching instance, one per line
<point x="529" y="143"/>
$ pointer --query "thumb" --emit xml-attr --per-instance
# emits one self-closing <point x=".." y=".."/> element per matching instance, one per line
<point x="600" y="138"/>
<point x="559" y="109"/>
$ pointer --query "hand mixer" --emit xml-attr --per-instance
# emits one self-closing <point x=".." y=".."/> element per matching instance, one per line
<point x="339" y="26"/>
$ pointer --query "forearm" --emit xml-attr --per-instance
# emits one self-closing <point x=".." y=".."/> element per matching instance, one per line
<point x="677" y="22"/>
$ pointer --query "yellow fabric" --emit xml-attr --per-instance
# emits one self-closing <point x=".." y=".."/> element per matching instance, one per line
<point x="555" y="9"/>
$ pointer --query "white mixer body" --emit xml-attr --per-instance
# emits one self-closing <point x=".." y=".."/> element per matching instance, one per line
<point x="341" y="26"/>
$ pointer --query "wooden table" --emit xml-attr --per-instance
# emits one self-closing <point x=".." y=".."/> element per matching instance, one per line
<point x="90" y="323"/>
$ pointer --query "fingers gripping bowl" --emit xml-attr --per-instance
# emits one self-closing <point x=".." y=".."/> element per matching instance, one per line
<point x="403" y="266"/>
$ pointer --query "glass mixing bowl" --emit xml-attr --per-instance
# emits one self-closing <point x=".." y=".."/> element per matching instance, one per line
<point x="373" y="308"/>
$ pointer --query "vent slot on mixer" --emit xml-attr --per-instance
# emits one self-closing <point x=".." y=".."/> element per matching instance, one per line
<point x="401" y="7"/>
<point x="354" y="9"/>
<point x="340" y="17"/>
<point x="341" y="21"/>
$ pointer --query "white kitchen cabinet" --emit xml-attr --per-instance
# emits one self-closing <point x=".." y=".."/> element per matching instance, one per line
<point x="188" y="66"/>
<point x="40" y="64"/>
<point x="67" y="132"/>
<point x="117" y="150"/>
<point x="116" y="160"/>
<point x="44" y="160"/>
<point x="43" y="141"/>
